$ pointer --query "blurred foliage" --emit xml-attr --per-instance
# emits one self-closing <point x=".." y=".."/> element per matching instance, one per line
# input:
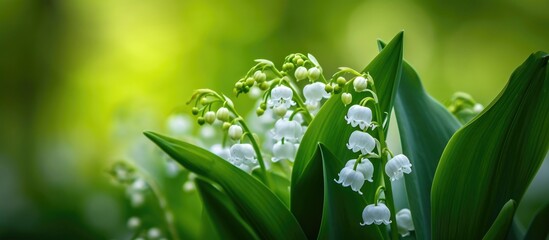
<point x="80" y="80"/>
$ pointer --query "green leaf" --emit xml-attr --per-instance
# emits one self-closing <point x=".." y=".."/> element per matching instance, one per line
<point x="330" y="128"/>
<point x="494" y="157"/>
<point x="538" y="228"/>
<point x="501" y="225"/>
<point x="425" y="126"/>
<point x="342" y="210"/>
<point x="221" y="211"/>
<point x="261" y="208"/>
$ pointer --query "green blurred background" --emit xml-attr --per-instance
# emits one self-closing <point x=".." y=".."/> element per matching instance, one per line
<point x="81" y="79"/>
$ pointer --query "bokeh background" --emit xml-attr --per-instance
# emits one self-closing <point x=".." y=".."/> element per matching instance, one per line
<point x="80" y="80"/>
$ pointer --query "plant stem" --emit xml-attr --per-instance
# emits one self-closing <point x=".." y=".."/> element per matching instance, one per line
<point x="386" y="180"/>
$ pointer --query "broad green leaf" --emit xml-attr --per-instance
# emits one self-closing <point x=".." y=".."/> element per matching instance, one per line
<point x="538" y="228"/>
<point x="330" y="128"/>
<point x="342" y="210"/>
<point x="222" y="214"/>
<point x="494" y="157"/>
<point x="501" y="225"/>
<point x="261" y="208"/>
<point x="425" y="126"/>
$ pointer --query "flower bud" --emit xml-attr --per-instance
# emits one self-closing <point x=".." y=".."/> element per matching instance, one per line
<point x="226" y="126"/>
<point x="337" y="89"/>
<point x="263" y="105"/>
<point x="341" y="81"/>
<point x="264" y="86"/>
<point x="346" y="98"/>
<point x="314" y="73"/>
<point x="200" y="121"/>
<point x="299" y="62"/>
<point x="260" y="111"/>
<point x="360" y="84"/>
<point x="223" y="114"/>
<point x="195" y="111"/>
<point x="328" y="88"/>
<point x="300" y="73"/>
<point x="296" y="58"/>
<point x="209" y="117"/>
<point x="260" y="76"/>
<point x="250" y="81"/>
<point x="235" y="132"/>
<point x="238" y="86"/>
<point x="288" y="66"/>
<point x="280" y="110"/>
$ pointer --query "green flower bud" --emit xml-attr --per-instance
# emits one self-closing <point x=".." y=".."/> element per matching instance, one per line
<point x="245" y="89"/>
<point x="223" y="114"/>
<point x="300" y="73"/>
<point x="346" y="98"/>
<point x="341" y="81"/>
<point x="300" y="62"/>
<point x="337" y="89"/>
<point x="204" y="101"/>
<point x="238" y="86"/>
<point x="263" y="105"/>
<point x="328" y="88"/>
<point x="264" y="86"/>
<point x="209" y="117"/>
<point x="260" y="76"/>
<point x="200" y="121"/>
<point x="296" y="58"/>
<point x="288" y="67"/>
<point x="250" y="81"/>
<point x="314" y="73"/>
<point x="226" y="126"/>
<point x="195" y="111"/>
<point x="280" y="111"/>
<point x="260" y="111"/>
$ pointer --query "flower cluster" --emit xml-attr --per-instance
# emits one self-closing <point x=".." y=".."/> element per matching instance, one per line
<point x="357" y="171"/>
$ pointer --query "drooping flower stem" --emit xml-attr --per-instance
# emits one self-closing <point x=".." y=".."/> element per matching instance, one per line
<point x="387" y="182"/>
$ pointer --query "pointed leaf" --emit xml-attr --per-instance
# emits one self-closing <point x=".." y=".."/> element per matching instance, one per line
<point x="494" y="157"/>
<point x="502" y="224"/>
<point x="425" y="126"/>
<point x="261" y="208"/>
<point x="330" y="128"/>
<point x="342" y="210"/>
<point x="222" y="213"/>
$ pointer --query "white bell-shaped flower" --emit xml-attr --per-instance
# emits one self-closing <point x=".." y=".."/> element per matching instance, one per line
<point x="360" y="84"/>
<point x="289" y="130"/>
<point x="361" y="141"/>
<point x="350" y="177"/>
<point x="359" y="116"/>
<point x="242" y="154"/>
<point x="404" y="222"/>
<point x="284" y="150"/>
<point x="235" y="132"/>
<point x="365" y="167"/>
<point x="281" y="96"/>
<point x="377" y="214"/>
<point x="314" y="93"/>
<point x="397" y="166"/>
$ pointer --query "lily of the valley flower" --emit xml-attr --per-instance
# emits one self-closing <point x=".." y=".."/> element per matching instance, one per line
<point x="359" y="116"/>
<point x="314" y="93"/>
<point x="350" y="177"/>
<point x="376" y="214"/>
<point x="289" y="130"/>
<point x="220" y="151"/>
<point x="404" y="222"/>
<point x="397" y="166"/>
<point x="361" y="141"/>
<point x="243" y="156"/>
<point x="284" y="150"/>
<point x="360" y="84"/>
<point x="235" y="132"/>
<point x="281" y="96"/>
<point x="300" y="73"/>
<point x="365" y="167"/>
